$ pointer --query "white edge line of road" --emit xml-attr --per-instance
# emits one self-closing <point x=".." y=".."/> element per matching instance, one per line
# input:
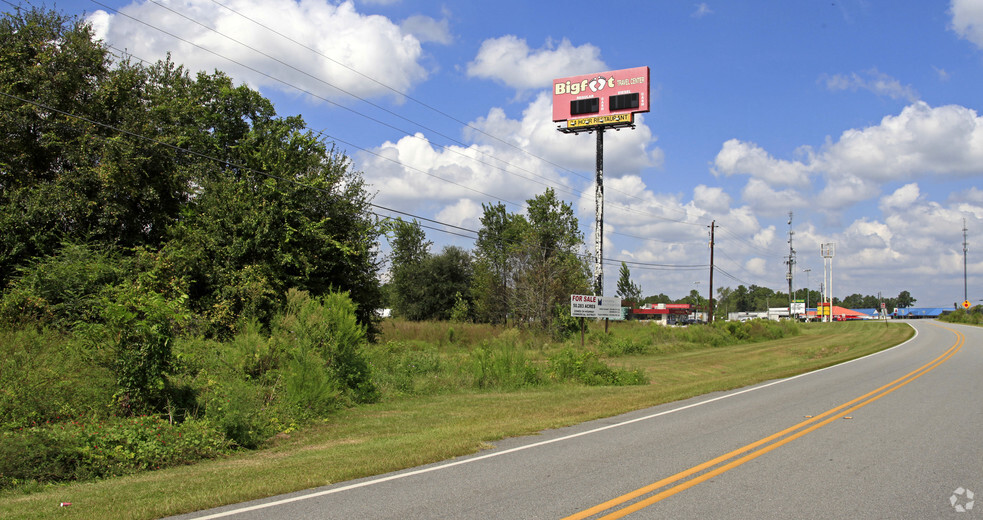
<point x="469" y="460"/>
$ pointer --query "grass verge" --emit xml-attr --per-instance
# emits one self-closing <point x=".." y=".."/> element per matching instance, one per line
<point x="411" y="431"/>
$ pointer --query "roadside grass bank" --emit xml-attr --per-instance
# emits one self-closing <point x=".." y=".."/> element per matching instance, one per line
<point x="426" y="415"/>
<point x="973" y="316"/>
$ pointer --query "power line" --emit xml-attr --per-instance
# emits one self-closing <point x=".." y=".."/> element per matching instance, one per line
<point x="749" y="243"/>
<point x="446" y="148"/>
<point x="640" y="265"/>
<point x="419" y="102"/>
<point x="338" y="105"/>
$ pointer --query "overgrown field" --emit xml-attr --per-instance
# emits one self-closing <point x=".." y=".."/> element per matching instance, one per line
<point x="441" y="390"/>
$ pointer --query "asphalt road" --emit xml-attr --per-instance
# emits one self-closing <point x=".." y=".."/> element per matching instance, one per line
<point x="895" y="435"/>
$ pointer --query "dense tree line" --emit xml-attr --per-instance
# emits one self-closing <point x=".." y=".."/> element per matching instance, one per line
<point x="522" y="270"/>
<point x="755" y="298"/>
<point x="141" y="205"/>
<point x="223" y="202"/>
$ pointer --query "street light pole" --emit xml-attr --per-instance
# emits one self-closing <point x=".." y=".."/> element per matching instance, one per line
<point x="807" y="271"/>
<point x="696" y="312"/>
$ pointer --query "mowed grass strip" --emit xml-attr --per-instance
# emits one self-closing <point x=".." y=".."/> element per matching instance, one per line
<point x="404" y="433"/>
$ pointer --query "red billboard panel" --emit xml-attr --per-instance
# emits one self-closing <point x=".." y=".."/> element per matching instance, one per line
<point x="602" y="97"/>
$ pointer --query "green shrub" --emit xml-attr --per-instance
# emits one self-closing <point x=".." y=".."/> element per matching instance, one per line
<point x="310" y="389"/>
<point x="738" y="330"/>
<point x="973" y="316"/>
<point x="398" y="369"/>
<point x="44" y="377"/>
<point x="503" y="367"/>
<point x="328" y="327"/>
<point x="461" y="311"/>
<point x="625" y="347"/>
<point x="706" y="335"/>
<point x="586" y="368"/>
<point x="78" y="450"/>
<point x="253" y="353"/>
<point x="249" y="293"/>
<point x="134" y="340"/>
<point x="62" y="289"/>
<point x="564" y="325"/>
<point x="238" y="410"/>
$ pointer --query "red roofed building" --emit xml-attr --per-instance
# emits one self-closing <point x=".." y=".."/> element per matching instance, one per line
<point x="664" y="313"/>
<point x="839" y="314"/>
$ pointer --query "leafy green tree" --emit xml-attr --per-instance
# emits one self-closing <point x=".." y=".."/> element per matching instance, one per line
<point x="435" y="284"/>
<point x="656" y="298"/>
<point x="242" y="203"/>
<point x="742" y="299"/>
<point x="853" y="301"/>
<point x="135" y="334"/>
<point x="410" y="248"/>
<point x="549" y="268"/>
<point x="499" y="239"/>
<point x="905" y="300"/>
<point x="722" y="304"/>
<point x="628" y="290"/>
<point x="48" y="63"/>
<point x="445" y="280"/>
<point x="756" y="298"/>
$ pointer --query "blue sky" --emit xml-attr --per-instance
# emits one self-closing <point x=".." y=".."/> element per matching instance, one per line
<point x="861" y="117"/>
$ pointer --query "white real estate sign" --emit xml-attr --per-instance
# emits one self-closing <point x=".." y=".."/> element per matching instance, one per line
<point x="798" y="307"/>
<point x="589" y="306"/>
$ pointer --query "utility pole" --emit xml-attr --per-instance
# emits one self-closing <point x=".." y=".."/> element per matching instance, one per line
<point x="791" y="263"/>
<point x="965" y="246"/>
<point x="807" y="271"/>
<point x="710" y="305"/>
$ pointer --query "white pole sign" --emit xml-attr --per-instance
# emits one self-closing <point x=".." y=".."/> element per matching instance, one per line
<point x="590" y="306"/>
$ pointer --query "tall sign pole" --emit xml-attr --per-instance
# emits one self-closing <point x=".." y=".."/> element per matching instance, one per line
<point x="594" y="103"/>
<point x="599" y="215"/>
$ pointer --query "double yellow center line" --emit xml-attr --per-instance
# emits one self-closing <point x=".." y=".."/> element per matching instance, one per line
<point x="755" y="449"/>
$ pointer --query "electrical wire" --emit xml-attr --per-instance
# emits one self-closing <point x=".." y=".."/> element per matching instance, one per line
<point x="241" y="167"/>
<point x="446" y="148"/>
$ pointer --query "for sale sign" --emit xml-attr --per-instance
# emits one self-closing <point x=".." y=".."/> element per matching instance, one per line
<point x="590" y="306"/>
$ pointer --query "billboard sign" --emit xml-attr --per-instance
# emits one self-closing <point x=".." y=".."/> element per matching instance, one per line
<point x="589" y="306"/>
<point x="602" y="98"/>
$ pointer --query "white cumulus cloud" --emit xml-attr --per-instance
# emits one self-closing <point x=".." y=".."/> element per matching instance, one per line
<point x="328" y="41"/>
<point x="967" y="20"/>
<point x="743" y="158"/>
<point x="510" y="60"/>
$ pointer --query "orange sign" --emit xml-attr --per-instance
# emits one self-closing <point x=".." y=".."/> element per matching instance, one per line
<point x="966" y="304"/>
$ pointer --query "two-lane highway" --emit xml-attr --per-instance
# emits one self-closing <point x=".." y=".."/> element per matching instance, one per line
<point x="893" y="435"/>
